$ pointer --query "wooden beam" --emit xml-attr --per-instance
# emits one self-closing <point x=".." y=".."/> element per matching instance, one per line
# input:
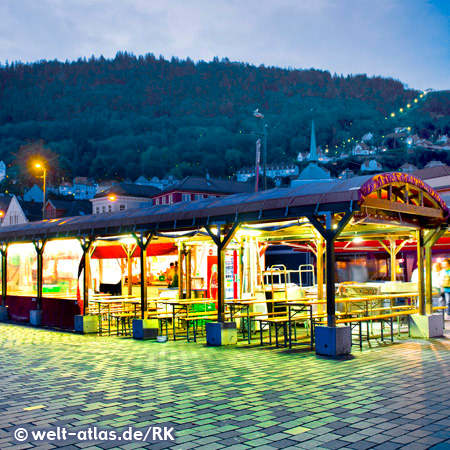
<point x="4" y="252"/>
<point x="420" y="278"/>
<point x="386" y="205"/>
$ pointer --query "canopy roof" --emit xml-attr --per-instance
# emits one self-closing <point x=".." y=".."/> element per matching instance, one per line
<point x="382" y="198"/>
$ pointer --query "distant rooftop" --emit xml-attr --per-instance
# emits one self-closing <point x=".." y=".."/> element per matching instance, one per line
<point x="432" y="172"/>
<point x="210" y="185"/>
<point x="130" y="190"/>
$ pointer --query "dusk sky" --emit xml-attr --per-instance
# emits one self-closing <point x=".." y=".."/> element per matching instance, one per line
<point x="403" y="39"/>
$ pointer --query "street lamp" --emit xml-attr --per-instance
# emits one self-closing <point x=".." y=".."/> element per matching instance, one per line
<point x="258" y="115"/>
<point x="42" y="166"/>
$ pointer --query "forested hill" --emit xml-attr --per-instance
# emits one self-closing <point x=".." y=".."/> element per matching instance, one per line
<point x="134" y="116"/>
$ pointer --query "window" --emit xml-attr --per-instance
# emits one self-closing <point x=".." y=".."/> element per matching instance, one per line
<point x="97" y="209"/>
<point x="198" y="196"/>
<point x="109" y="208"/>
<point x="163" y="200"/>
<point x="186" y="197"/>
<point x="170" y="199"/>
<point x="156" y="201"/>
<point x="103" y="208"/>
<point x="122" y="207"/>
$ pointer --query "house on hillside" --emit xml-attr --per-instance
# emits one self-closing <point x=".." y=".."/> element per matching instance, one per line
<point x="346" y="174"/>
<point x="142" y="181"/>
<point x="122" y="197"/>
<point x="2" y="170"/>
<point x="194" y="188"/>
<point x="35" y="194"/>
<point x="104" y="185"/>
<point x="432" y="164"/>
<point x="408" y="168"/>
<point x="361" y="149"/>
<point x="371" y="165"/>
<point x="167" y="181"/>
<point x="367" y="138"/>
<point x="65" y="188"/>
<point x="5" y="201"/>
<point x="83" y="188"/>
<point x="275" y="171"/>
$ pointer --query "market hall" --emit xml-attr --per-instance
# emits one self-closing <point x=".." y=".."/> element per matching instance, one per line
<point x="107" y="272"/>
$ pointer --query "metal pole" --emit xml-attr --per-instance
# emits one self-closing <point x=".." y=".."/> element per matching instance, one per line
<point x="43" y="204"/>
<point x="421" y="283"/>
<point x="143" y="264"/>
<point x="4" y="277"/>
<point x="428" y="281"/>
<point x="130" y="271"/>
<point x="265" y="153"/>
<point x="221" y="284"/>
<point x="331" y="298"/>
<point x="86" y="273"/>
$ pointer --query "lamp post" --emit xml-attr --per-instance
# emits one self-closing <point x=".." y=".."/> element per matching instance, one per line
<point x="258" y="115"/>
<point x="41" y="166"/>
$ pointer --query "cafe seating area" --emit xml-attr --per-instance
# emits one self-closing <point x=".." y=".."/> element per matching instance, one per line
<point x="280" y="322"/>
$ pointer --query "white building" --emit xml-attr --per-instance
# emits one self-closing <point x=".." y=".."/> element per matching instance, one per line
<point x="361" y="149"/>
<point x="371" y="166"/>
<point x="122" y="197"/>
<point x="275" y="171"/>
<point x="2" y="170"/>
<point x="14" y="214"/>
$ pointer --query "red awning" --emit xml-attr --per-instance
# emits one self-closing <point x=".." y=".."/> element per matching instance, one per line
<point x="117" y="251"/>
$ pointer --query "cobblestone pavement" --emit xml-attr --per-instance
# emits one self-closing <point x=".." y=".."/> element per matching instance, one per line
<point x="385" y="397"/>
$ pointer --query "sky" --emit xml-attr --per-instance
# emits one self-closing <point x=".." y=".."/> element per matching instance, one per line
<point x="408" y="40"/>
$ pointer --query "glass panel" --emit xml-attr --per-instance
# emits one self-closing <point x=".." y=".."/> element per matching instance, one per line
<point x="60" y="261"/>
<point x="22" y="269"/>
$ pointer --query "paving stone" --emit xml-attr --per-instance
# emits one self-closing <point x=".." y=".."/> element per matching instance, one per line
<point x="386" y="397"/>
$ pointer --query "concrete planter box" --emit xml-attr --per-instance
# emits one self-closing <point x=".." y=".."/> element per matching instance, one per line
<point x="36" y="317"/>
<point x="426" y="326"/>
<point x="145" y="329"/>
<point x="4" y="313"/>
<point x="86" y="324"/>
<point x="333" y="341"/>
<point x="221" y="333"/>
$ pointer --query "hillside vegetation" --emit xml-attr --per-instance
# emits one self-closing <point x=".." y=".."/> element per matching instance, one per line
<point x="134" y="116"/>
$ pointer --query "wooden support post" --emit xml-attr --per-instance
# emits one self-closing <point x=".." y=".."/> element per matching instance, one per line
<point x="428" y="282"/>
<point x="319" y="256"/>
<point x="222" y="244"/>
<point x="86" y="243"/>
<point x="130" y="274"/>
<point x="142" y="241"/>
<point x="421" y="281"/>
<point x="143" y="267"/>
<point x="331" y="295"/>
<point x="330" y="232"/>
<point x="180" y="271"/>
<point x="319" y="243"/>
<point x="188" y="272"/>
<point x="39" y="247"/>
<point x="4" y="252"/>
<point x="241" y="268"/>
<point x="430" y="238"/>
<point x="393" y="254"/>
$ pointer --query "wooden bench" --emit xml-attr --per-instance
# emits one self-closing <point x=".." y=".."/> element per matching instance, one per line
<point x="383" y="318"/>
<point x="282" y="321"/>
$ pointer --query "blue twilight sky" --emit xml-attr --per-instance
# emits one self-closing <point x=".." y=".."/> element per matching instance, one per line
<point x="403" y="39"/>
